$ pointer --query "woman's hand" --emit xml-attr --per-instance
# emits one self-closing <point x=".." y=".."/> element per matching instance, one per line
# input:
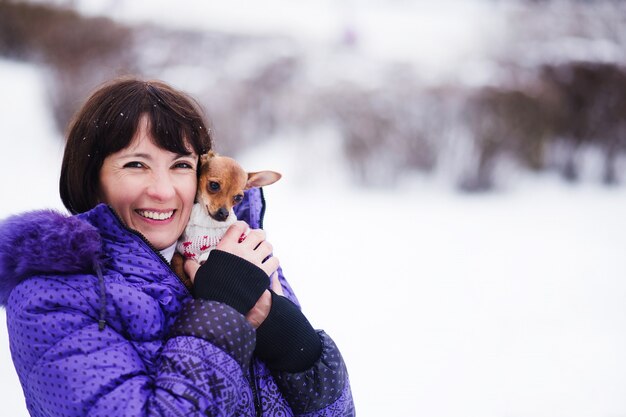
<point x="251" y="246"/>
<point x="248" y="244"/>
<point x="259" y="312"/>
<point x="261" y="309"/>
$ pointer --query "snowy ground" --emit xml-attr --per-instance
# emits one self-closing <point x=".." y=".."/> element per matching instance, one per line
<point x="444" y="305"/>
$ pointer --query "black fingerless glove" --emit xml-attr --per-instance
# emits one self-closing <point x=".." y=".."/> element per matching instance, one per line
<point x="286" y="341"/>
<point x="232" y="280"/>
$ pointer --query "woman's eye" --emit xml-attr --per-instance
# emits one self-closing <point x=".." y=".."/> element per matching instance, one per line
<point x="133" y="164"/>
<point x="183" y="165"/>
<point x="238" y="198"/>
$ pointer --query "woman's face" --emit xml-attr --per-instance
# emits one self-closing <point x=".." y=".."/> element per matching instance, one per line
<point x="150" y="188"/>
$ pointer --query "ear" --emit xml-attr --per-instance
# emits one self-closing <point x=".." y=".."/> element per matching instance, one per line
<point x="204" y="158"/>
<point x="261" y="178"/>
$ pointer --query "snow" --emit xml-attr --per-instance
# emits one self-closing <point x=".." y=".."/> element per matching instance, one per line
<point x="446" y="305"/>
<point x="31" y="160"/>
<point x="492" y="305"/>
<point x="30" y="165"/>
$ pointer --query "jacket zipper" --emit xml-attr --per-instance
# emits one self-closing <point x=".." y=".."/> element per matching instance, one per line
<point x="147" y="242"/>
<point x="255" y="391"/>
<point x="257" y="398"/>
<point x="262" y="215"/>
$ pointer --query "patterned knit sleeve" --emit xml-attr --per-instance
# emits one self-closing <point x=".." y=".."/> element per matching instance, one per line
<point x="323" y="389"/>
<point x="67" y="366"/>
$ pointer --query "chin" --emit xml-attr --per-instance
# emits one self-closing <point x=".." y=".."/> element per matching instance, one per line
<point x="161" y="243"/>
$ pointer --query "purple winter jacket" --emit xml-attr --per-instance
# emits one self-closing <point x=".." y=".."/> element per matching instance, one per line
<point x="99" y="325"/>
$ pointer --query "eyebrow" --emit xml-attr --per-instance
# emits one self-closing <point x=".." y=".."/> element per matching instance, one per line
<point x="147" y="156"/>
<point x="137" y="155"/>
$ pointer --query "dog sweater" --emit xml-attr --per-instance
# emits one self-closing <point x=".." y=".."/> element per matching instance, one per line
<point x="202" y="234"/>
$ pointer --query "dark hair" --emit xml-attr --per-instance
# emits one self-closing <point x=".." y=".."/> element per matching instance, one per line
<point x="107" y="123"/>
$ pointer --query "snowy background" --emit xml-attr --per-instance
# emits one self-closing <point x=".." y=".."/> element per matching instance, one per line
<point x="444" y="304"/>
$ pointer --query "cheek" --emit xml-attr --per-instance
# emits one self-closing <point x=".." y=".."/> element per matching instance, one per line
<point x="106" y="190"/>
<point x="188" y="191"/>
<point x="119" y="201"/>
<point x="118" y="192"/>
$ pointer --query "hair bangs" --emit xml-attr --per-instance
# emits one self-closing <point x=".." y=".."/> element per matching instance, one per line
<point x="107" y="123"/>
<point x="176" y="126"/>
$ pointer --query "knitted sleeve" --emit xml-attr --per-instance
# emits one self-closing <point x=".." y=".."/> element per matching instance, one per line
<point x="69" y="366"/>
<point x="286" y="341"/>
<point x="321" y="390"/>
<point x="232" y="280"/>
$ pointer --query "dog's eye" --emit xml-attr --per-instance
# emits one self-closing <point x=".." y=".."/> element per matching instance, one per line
<point x="214" y="186"/>
<point x="237" y="199"/>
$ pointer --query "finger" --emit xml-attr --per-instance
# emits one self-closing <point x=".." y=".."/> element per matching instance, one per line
<point x="276" y="285"/>
<point x="235" y="231"/>
<point x="263" y="251"/>
<point x="261" y="310"/>
<point x="191" y="268"/>
<point x="254" y="238"/>
<point x="270" y="265"/>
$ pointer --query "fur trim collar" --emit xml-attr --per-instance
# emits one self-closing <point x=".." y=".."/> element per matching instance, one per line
<point x="44" y="242"/>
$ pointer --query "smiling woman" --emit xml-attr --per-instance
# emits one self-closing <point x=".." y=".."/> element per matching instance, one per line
<point x="112" y="119"/>
<point x="98" y="322"/>
<point x="161" y="187"/>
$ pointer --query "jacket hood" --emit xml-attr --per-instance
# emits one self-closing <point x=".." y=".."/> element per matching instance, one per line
<point x="46" y="242"/>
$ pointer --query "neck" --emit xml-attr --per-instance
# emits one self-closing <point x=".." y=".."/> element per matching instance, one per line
<point x="168" y="252"/>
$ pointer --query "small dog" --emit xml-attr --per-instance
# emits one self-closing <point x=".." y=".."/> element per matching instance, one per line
<point x="221" y="184"/>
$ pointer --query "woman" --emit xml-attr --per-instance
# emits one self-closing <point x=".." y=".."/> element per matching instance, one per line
<point x="99" y="324"/>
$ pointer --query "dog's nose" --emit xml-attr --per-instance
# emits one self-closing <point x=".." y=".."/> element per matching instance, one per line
<point x="221" y="214"/>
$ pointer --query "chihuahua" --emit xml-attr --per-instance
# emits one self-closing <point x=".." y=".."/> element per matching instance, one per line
<point x="221" y="184"/>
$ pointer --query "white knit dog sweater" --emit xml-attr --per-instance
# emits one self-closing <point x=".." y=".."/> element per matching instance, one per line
<point x="202" y="234"/>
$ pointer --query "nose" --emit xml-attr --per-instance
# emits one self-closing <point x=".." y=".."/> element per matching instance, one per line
<point x="221" y="214"/>
<point x="161" y="188"/>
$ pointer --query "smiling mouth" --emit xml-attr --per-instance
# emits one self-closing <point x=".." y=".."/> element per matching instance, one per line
<point x="155" y="215"/>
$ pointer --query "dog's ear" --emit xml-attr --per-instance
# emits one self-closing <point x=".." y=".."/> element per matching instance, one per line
<point x="204" y="158"/>
<point x="261" y="179"/>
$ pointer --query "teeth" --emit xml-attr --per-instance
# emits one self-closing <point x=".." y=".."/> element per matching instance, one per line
<point x="155" y="215"/>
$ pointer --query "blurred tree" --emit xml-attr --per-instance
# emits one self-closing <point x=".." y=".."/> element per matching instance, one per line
<point x="80" y="52"/>
<point x="592" y="105"/>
